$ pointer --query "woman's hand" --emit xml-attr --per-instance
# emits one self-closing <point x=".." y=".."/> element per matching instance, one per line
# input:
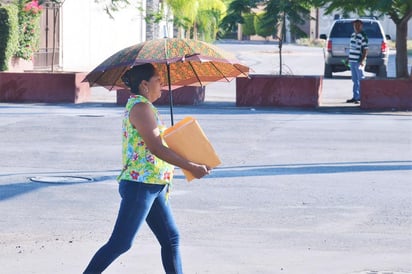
<point x="199" y="170"/>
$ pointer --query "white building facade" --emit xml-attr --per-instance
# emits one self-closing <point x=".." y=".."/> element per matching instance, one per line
<point x="86" y="35"/>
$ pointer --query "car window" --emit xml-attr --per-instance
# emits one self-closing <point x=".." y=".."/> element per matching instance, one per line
<point x="345" y="30"/>
<point x="342" y="30"/>
<point x="372" y="30"/>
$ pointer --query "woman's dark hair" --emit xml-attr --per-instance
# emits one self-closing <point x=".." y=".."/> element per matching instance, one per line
<point x="134" y="76"/>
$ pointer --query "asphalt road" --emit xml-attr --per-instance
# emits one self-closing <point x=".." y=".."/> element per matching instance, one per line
<point x="323" y="191"/>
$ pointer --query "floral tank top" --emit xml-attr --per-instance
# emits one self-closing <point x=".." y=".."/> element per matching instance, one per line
<point x="139" y="164"/>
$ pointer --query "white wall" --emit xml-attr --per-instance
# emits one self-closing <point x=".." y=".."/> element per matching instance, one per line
<point x="89" y="35"/>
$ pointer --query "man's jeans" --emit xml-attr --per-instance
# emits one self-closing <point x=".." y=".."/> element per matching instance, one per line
<point x="141" y="202"/>
<point x="357" y="76"/>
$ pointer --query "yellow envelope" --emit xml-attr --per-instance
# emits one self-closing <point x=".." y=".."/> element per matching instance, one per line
<point x="187" y="139"/>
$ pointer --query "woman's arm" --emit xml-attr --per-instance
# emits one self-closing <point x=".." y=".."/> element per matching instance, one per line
<point x="142" y="118"/>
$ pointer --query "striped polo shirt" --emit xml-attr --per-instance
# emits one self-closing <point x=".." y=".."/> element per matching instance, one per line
<point x="358" y="42"/>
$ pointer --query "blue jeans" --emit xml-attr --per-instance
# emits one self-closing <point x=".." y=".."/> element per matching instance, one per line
<point x="357" y="76"/>
<point x="141" y="202"/>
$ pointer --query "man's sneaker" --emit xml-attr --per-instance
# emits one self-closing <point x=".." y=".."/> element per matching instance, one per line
<point x="351" y="100"/>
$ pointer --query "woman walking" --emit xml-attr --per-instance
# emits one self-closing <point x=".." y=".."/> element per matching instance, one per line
<point x="146" y="176"/>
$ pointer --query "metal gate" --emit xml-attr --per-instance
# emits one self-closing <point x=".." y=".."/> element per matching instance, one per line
<point x="48" y="55"/>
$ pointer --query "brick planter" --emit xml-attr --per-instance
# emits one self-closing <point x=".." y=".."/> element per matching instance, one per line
<point x="386" y="94"/>
<point x="276" y="90"/>
<point x="181" y="96"/>
<point x="43" y="87"/>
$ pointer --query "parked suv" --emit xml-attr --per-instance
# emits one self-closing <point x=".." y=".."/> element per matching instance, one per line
<point x="337" y="47"/>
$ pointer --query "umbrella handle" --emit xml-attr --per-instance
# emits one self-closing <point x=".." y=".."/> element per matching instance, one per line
<point x="170" y="93"/>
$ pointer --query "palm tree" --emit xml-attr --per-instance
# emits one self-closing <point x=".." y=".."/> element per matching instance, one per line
<point x="152" y="28"/>
<point x="191" y="17"/>
<point x="197" y="17"/>
<point x="184" y="12"/>
<point x="209" y="15"/>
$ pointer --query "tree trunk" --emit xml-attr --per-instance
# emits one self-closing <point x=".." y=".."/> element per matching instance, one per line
<point x="239" y="32"/>
<point x="152" y="28"/>
<point x="195" y="31"/>
<point x="188" y="31"/>
<point x="401" y="49"/>
<point x="181" y="32"/>
<point x="282" y="30"/>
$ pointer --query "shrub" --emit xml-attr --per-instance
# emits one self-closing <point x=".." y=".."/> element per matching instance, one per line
<point x="262" y="27"/>
<point x="29" y="28"/>
<point x="8" y="34"/>
<point x="248" y="26"/>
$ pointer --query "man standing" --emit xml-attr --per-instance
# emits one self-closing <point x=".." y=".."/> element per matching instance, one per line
<point x="358" y="50"/>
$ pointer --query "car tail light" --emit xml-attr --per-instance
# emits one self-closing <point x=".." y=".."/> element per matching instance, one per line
<point x="384" y="47"/>
<point x="329" y="46"/>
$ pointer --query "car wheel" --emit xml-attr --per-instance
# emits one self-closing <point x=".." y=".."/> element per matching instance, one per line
<point x="328" y="71"/>
<point x="382" y="72"/>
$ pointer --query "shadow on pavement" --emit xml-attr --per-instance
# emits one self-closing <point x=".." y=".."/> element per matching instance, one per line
<point x="317" y="168"/>
<point x="8" y="191"/>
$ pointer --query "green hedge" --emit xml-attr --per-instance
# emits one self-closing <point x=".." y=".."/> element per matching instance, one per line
<point x="9" y="34"/>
